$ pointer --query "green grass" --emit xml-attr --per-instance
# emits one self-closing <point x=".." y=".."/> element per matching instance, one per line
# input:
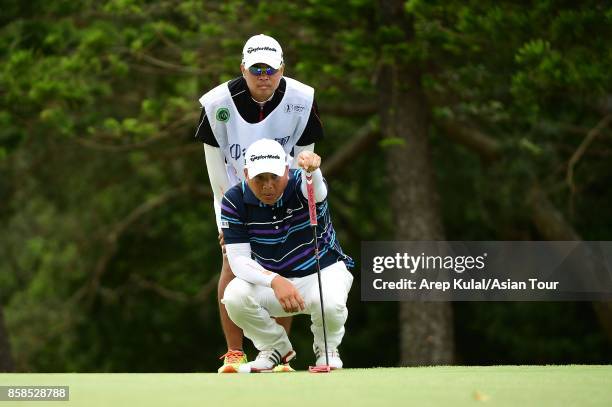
<point x="449" y="386"/>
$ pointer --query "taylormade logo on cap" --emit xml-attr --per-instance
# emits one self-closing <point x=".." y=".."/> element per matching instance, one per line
<point x="251" y="49"/>
<point x="262" y="49"/>
<point x="261" y="157"/>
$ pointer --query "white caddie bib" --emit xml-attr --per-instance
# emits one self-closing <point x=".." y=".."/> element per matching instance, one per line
<point x="285" y="123"/>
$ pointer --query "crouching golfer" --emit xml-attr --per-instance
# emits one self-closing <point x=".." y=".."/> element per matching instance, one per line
<point x="270" y="248"/>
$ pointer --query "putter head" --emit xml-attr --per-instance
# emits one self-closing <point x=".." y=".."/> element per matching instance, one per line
<point x="320" y="369"/>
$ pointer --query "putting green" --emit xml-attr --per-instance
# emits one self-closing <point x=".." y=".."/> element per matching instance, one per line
<point x="452" y="385"/>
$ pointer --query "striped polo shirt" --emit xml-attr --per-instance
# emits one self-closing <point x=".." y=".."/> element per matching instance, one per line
<point x="280" y="234"/>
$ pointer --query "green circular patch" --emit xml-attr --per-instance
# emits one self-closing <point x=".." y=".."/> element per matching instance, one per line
<point x="223" y="114"/>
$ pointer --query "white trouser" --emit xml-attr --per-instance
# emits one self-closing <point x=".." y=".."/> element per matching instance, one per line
<point x="251" y="307"/>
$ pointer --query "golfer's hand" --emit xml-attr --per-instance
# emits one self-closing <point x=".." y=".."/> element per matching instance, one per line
<point x="309" y="161"/>
<point x="288" y="296"/>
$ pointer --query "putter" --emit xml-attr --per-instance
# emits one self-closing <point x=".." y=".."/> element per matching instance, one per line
<point x="312" y="211"/>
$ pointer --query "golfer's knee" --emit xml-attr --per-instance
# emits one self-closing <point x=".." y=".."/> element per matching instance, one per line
<point x="236" y="295"/>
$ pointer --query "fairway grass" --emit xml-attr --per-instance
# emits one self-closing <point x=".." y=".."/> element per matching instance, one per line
<point x="425" y="386"/>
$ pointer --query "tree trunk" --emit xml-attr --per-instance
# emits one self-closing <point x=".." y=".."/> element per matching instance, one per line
<point x="426" y="329"/>
<point x="6" y="360"/>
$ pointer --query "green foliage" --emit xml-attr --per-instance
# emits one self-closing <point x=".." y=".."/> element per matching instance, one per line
<point x="500" y="330"/>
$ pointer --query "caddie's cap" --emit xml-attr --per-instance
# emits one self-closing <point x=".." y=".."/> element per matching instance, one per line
<point x="261" y="49"/>
<point x="265" y="155"/>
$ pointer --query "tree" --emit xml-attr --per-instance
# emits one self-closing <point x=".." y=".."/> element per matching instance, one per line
<point x="426" y="328"/>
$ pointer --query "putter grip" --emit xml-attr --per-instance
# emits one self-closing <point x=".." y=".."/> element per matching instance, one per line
<point x="312" y="208"/>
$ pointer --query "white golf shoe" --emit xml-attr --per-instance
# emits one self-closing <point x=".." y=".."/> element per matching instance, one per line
<point x="332" y="354"/>
<point x="266" y="361"/>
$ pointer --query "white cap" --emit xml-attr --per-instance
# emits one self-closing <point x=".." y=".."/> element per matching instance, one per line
<point x="265" y="155"/>
<point x="261" y="49"/>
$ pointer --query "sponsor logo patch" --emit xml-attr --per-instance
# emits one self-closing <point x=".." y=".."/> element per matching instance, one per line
<point x="224" y="224"/>
<point x="223" y="114"/>
<point x="291" y="108"/>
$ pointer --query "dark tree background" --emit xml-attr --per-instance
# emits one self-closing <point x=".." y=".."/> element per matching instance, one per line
<point x="444" y="120"/>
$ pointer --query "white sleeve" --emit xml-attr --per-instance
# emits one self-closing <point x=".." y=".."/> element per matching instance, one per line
<point x="320" y="188"/>
<point x="239" y="257"/>
<point x="297" y="150"/>
<point x="219" y="181"/>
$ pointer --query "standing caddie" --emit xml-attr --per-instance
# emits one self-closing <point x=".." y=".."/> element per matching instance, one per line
<point x="261" y="104"/>
<point x="270" y="247"/>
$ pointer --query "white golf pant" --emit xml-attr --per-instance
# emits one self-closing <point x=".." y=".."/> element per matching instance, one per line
<point x="251" y="307"/>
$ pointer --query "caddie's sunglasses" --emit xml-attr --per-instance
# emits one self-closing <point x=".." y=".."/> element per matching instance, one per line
<point x="258" y="70"/>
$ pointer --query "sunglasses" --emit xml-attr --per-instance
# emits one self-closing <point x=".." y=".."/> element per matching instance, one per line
<point x="258" y="71"/>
